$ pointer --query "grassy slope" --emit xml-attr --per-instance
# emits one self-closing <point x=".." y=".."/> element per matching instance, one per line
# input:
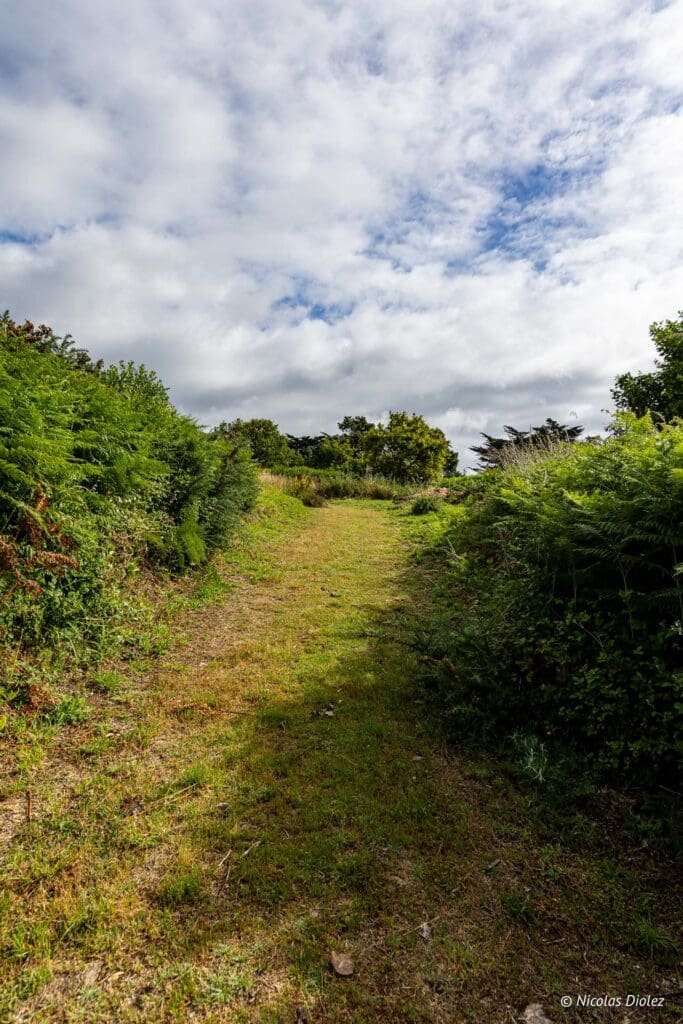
<point x="271" y="790"/>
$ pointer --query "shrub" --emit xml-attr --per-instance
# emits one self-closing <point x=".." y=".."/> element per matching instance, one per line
<point x="424" y="504"/>
<point x="99" y="473"/>
<point x="566" y="603"/>
<point x="304" y="489"/>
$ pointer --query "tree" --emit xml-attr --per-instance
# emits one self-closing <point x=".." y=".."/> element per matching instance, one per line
<point x="343" y="451"/>
<point x="325" y="451"/>
<point x="268" y="446"/>
<point x="496" y="450"/>
<point x="660" y="392"/>
<point x="451" y="466"/>
<point x="407" y="449"/>
<point x="334" y="453"/>
<point x="354" y="430"/>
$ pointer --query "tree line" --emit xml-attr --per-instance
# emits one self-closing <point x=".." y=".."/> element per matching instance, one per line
<point x="406" y="449"/>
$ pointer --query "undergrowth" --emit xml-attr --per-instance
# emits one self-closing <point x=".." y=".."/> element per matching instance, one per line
<point x="101" y="481"/>
<point x="560" y="608"/>
<point x="327" y="483"/>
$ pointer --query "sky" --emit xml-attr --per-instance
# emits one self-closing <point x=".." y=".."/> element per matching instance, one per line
<point x="305" y="209"/>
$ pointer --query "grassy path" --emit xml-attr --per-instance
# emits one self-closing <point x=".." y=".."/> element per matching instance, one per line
<point x="270" y="791"/>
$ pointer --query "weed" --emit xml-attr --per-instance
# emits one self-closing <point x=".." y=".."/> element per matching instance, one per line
<point x="182" y="885"/>
<point x="211" y="585"/>
<point x="226" y="985"/>
<point x="651" y="940"/>
<point x="519" y="906"/>
<point x="195" y="776"/>
<point x="68" y="711"/>
<point x="533" y="757"/>
<point x="108" y="681"/>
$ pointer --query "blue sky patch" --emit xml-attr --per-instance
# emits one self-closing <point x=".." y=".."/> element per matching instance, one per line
<point x="312" y="308"/>
<point x="539" y="182"/>
<point x="18" y="238"/>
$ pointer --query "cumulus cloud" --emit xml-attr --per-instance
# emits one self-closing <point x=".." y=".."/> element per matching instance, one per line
<point x="309" y="209"/>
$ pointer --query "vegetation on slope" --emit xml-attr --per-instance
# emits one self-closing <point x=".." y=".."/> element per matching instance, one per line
<point x="99" y="477"/>
<point x="564" y="601"/>
<point x="193" y="835"/>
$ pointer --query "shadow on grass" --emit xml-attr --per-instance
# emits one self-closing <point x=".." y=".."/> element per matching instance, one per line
<point x="342" y="821"/>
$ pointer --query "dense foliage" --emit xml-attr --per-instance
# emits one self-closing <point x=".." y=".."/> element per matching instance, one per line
<point x="660" y="392"/>
<point x="98" y="474"/>
<point x="406" y="449"/>
<point x="563" y="582"/>
<point x="268" y="446"/>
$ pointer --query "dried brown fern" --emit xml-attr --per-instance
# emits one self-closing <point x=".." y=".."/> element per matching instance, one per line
<point x="36" y="534"/>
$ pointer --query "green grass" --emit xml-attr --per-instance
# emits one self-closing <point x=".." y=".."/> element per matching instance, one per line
<point x="271" y="789"/>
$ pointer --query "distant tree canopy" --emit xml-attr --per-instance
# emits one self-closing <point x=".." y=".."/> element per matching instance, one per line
<point x="268" y="446"/>
<point x="324" y="451"/>
<point x="407" y="448"/>
<point x="493" y="453"/>
<point x="660" y="392"/>
<point x="354" y="431"/>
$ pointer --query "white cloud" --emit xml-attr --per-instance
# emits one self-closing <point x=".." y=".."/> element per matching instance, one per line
<point x="487" y="200"/>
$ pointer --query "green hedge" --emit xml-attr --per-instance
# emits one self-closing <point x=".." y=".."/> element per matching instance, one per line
<point x="565" y="605"/>
<point x="99" y="474"/>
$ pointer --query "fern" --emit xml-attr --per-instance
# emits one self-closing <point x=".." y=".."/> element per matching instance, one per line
<point x="567" y="601"/>
<point x="98" y="471"/>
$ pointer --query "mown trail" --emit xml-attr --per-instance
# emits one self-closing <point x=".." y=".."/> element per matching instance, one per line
<point x="271" y="791"/>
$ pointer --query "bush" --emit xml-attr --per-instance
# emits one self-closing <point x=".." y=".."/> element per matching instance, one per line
<point x="303" y="488"/>
<point x="424" y="504"/>
<point x="465" y="488"/>
<point x="100" y="474"/>
<point x="566" y="603"/>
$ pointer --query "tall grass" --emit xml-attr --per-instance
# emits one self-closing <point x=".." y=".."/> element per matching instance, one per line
<point x="303" y="482"/>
